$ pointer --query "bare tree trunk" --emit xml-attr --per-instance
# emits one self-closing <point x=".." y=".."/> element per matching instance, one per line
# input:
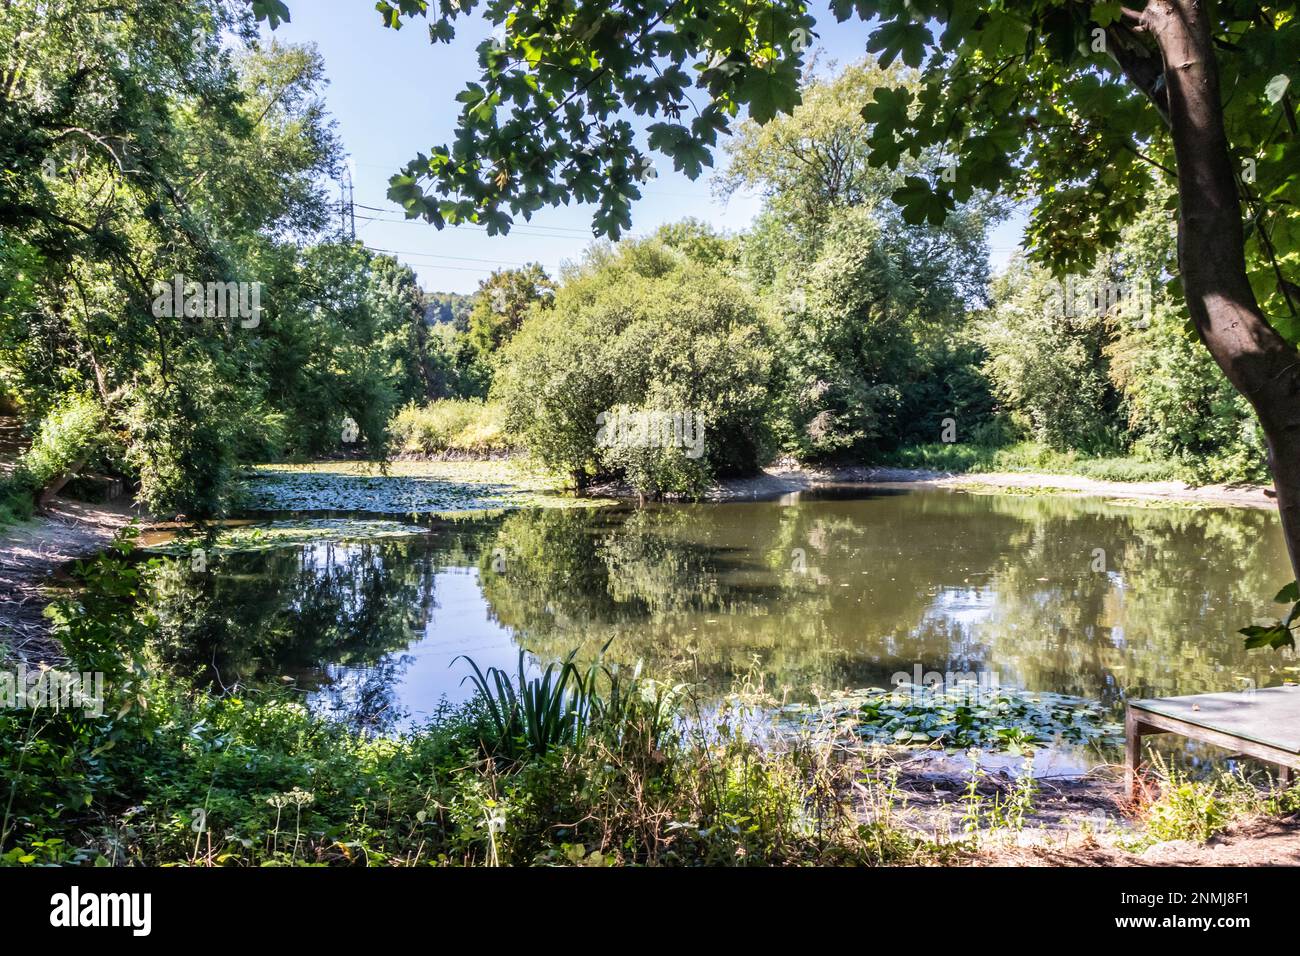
<point x="46" y="494"/>
<point x="1212" y="250"/>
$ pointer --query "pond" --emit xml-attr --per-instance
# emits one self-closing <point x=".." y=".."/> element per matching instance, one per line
<point x="815" y="592"/>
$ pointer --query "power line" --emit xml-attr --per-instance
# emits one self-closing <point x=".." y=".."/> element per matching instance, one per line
<point x="434" y="265"/>
<point x="437" y="255"/>
<point x="469" y="225"/>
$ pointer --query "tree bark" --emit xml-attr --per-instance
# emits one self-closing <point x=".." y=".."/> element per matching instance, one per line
<point x="1212" y="249"/>
<point x="46" y="494"/>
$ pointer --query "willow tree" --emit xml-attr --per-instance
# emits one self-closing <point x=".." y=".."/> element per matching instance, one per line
<point x="1078" y="105"/>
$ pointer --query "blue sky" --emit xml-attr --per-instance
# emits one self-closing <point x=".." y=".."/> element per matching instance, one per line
<point x="393" y="95"/>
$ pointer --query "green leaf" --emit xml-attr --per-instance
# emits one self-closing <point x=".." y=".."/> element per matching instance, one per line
<point x="770" y="91"/>
<point x="1003" y="36"/>
<point x="1275" y="636"/>
<point x="274" y="12"/>
<point x="688" y="154"/>
<point x="1104" y="14"/>
<point x="889" y="108"/>
<point x="900" y="36"/>
<point x="921" y="203"/>
<point x="1289" y="594"/>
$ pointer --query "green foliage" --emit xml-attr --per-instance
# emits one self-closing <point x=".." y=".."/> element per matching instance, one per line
<point x="1186" y="808"/>
<point x="1179" y="405"/>
<point x="999" y="455"/>
<point x="645" y="328"/>
<point x="1281" y="633"/>
<point x="534" y="714"/>
<point x="70" y="434"/>
<point x="449" y="426"/>
<point x="869" y="309"/>
<point x="870" y="335"/>
<point x="347" y="341"/>
<point x="541" y="124"/>
<point x="1103" y="363"/>
<point x="816" y="159"/>
<point x="502" y="302"/>
<point x="964" y="715"/>
<point x="1025" y="101"/>
<point x="1046" y="362"/>
<point x="104" y="626"/>
<point x="139" y="146"/>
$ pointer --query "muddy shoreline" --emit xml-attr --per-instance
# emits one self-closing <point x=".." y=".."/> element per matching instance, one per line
<point x="32" y="553"/>
<point x="775" y="482"/>
<point x="780" y="480"/>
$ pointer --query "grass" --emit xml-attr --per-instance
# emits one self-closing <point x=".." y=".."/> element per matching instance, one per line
<point x="1197" y="810"/>
<point x="255" y="779"/>
<point x="16" y="504"/>
<point x="1031" y="457"/>
<point x="450" y="426"/>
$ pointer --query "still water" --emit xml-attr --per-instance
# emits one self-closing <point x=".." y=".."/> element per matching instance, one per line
<point x="1074" y="595"/>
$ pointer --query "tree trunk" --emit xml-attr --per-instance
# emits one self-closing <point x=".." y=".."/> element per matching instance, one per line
<point x="46" y="494"/>
<point x="1212" y="249"/>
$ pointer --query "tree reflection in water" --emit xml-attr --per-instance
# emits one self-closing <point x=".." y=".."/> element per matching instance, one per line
<point x="820" y="592"/>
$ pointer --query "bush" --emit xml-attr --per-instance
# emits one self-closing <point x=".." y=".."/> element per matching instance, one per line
<point x="1180" y="404"/>
<point x="70" y="434"/>
<point x="644" y="330"/>
<point x="450" y="425"/>
<point x="1033" y="457"/>
<point x="1046" y="362"/>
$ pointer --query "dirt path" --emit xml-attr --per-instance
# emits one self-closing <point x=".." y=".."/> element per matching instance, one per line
<point x="1075" y="820"/>
<point x="1262" y="841"/>
<point x="777" y="481"/>
<point x="30" y="555"/>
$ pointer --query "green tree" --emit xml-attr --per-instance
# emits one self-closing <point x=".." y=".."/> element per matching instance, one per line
<point x="641" y="329"/>
<point x="1046" y="357"/>
<point x="502" y="301"/>
<point x="1079" y="104"/>
<point x="871" y="309"/>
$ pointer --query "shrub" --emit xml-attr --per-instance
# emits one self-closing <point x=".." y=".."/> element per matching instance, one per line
<point x="70" y="433"/>
<point x="1046" y="363"/>
<point x="643" y="328"/>
<point x="449" y="425"/>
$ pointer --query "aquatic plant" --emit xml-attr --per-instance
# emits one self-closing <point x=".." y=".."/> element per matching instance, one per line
<point x="961" y="715"/>
<point x="533" y="714"/>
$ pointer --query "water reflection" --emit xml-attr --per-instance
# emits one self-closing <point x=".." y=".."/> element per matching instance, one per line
<point x="1072" y="595"/>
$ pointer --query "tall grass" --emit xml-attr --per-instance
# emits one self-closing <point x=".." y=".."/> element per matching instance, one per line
<point x="449" y="426"/>
<point x="534" y="715"/>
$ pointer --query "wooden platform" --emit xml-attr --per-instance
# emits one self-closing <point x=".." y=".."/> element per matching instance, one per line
<point x="1264" y="724"/>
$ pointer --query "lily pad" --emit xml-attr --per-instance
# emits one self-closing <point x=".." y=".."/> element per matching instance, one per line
<point x="964" y="715"/>
<point x="405" y="488"/>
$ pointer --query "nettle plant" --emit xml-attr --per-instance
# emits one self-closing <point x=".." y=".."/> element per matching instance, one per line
<point x="1084" y="107"/>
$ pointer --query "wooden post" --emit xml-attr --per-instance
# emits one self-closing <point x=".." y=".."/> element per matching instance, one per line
<point x="1132" y="752"/>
